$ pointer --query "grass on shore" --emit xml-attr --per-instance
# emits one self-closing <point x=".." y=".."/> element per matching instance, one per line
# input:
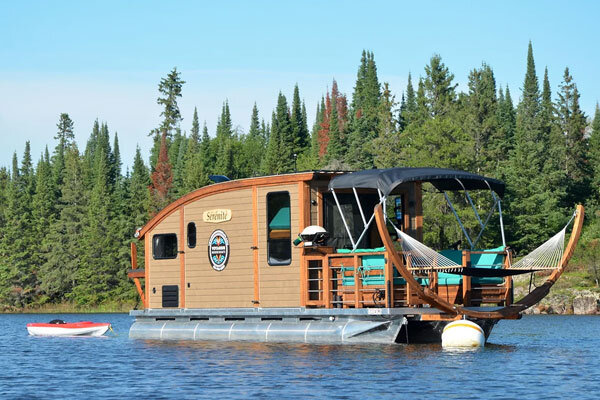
<point x="71" y="308"/>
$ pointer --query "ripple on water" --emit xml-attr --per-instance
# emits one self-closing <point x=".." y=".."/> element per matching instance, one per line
<point x="523" y="359"/>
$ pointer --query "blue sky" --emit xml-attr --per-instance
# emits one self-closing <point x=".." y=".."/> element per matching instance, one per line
<point x="104" y="59"/>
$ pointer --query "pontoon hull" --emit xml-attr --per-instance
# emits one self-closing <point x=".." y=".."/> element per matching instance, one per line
<point x="317" y="326"/>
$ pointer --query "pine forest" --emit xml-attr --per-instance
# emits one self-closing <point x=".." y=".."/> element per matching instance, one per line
<point x="68" y="217"/>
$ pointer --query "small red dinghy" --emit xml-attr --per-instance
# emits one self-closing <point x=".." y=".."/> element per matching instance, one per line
<point x="61" y="328"/>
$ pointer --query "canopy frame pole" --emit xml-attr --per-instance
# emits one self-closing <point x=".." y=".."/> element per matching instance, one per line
<point x="364" y="232"/>
<point x="501" y="221"/>
<point x="362" y="214"/>
<point x="471" y="203"/>
<point x="343" y="219"/>
<point x="487" y="219"/>
<point x="367" y="224"/>
<point x="458" y="219"/>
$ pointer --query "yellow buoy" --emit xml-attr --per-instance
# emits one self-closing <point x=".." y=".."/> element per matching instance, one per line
<point x="462" y="333"/>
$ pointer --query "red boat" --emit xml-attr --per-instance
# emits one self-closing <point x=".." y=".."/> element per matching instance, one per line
<point x="60" y="328"/>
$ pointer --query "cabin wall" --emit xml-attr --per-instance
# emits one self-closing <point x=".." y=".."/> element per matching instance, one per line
<point x="234" y="285"/>
<point x="279" y="286"/>
<point x="247" y="279"/>
<point x="162" y="272"/>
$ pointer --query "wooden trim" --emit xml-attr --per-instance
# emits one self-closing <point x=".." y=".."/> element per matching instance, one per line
<point x="136" y="273"/>
<point x="304" y="220"/>
<point x="466" y="280"/>
<point x="138" y="286"/>
<point x="256" y="270"/>
<point x="357" y="285"/>
<point x="224" y="187"/>
<point x="133" y="255"/>
<point x="419" y="211"/>
<point x="326" y="282"/>
<point x="389" y="279"/>
<point x="320" y="210"/>
<point x="147" y="251"/>
<point x="507" y="312"/>
<point x="423" y="293"/>
<point x="182" y="243"/>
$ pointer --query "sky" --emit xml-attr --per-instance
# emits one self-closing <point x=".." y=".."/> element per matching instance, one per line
<point x="104" y="59"/>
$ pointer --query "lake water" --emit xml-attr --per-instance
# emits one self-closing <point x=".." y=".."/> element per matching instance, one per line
<point x="538" y="356"/>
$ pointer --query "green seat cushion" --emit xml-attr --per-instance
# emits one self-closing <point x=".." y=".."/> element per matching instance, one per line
<point x="493" y="261"/>
<point x="477" y="261"/>
<point x="281" y="220"/>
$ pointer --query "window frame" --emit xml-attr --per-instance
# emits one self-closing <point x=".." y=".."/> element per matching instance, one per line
<point x="154" y="246"/>
<point x="288" y="261"/>
<point x="191" y="223"/>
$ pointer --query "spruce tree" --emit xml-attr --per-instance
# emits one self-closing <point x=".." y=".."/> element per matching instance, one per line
<point x="481" y="120"/>
<point x="298" y="122"/>
<point x="170" y="90"/>
<point x="64" y="244"/>
<point x="386" y="145"/>
<point x="65" y="137"/>
<point x="594" y="155"/>
<point x="161" y="180"/>
<point x="573" y="124"/>
<point x="439" y="90"/>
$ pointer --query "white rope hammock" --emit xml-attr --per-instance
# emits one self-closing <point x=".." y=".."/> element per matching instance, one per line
<point x="547" y="256"/>
<point x="420" y="257"/>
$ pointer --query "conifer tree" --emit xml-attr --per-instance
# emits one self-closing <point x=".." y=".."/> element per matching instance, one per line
<point x="481" y="120"/>
<point x="387" y="144"/>
<point x="365" y="113"/>
<point x="439" y="90"/>
<point x="594" y="155"/>
<point x="161" y="180"/>
<point x="533" y="211"/>
<point x="298" y="122"/>
<point x="170" y="89"/>
<point x="506" y="121"/>
<point x="573" y="123"/>
<point x="138" y="189"/>
<point x="64" y="247"/>
<point x="65" y="136"/>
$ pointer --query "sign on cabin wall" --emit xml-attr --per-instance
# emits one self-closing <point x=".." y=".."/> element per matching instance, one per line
<point x="217" y="215"/>
<point x="218" y="250"/>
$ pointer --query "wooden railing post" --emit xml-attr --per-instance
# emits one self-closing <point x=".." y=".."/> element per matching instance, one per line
<point x="327" y="283"/>
<point x="357" y="284"/>
<point x="466" y="286"/>
<point x="389" y="279"/>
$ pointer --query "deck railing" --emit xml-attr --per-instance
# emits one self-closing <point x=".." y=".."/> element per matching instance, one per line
<point x="358" y="280"/>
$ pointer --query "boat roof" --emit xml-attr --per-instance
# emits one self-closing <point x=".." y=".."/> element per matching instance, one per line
<point x="386" y="180"/>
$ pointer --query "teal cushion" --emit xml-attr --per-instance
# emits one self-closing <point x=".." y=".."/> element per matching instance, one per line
<point x="375" y="250"/>
<point x="281" y="220"/>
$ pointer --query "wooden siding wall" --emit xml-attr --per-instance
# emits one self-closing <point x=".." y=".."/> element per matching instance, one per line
<point x="317" y="188"/>
<point x="163" y="272"/>
<point x="234" y="285"/>
<point x="279" y="286"/>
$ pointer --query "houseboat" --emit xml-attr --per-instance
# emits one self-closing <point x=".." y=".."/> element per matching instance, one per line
<point x="330" y="257"/>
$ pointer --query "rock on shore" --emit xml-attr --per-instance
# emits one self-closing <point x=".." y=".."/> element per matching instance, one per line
<point x="584" y="302"/>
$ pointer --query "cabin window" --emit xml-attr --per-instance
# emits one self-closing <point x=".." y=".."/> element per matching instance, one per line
<point x="191" y="235"/>
<point x="164" y="246"/>
<point x="279" y="233"/>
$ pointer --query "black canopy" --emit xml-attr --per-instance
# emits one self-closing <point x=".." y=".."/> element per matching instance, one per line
<point x="386" y="180"/>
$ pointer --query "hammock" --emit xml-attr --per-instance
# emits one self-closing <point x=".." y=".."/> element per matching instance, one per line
<point x="419" y="257"/>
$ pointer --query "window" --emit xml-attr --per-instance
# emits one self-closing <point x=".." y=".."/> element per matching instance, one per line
<point x="191" y="235"/>
<point x="164" y="246"/>
<point x="279" y="234"/>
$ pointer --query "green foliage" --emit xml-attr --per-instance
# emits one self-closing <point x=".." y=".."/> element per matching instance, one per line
<point x="66" y="224"/>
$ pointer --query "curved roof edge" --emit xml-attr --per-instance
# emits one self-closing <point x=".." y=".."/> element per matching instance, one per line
<point x="220" y="188"/>
<point x="386" y="180"/>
